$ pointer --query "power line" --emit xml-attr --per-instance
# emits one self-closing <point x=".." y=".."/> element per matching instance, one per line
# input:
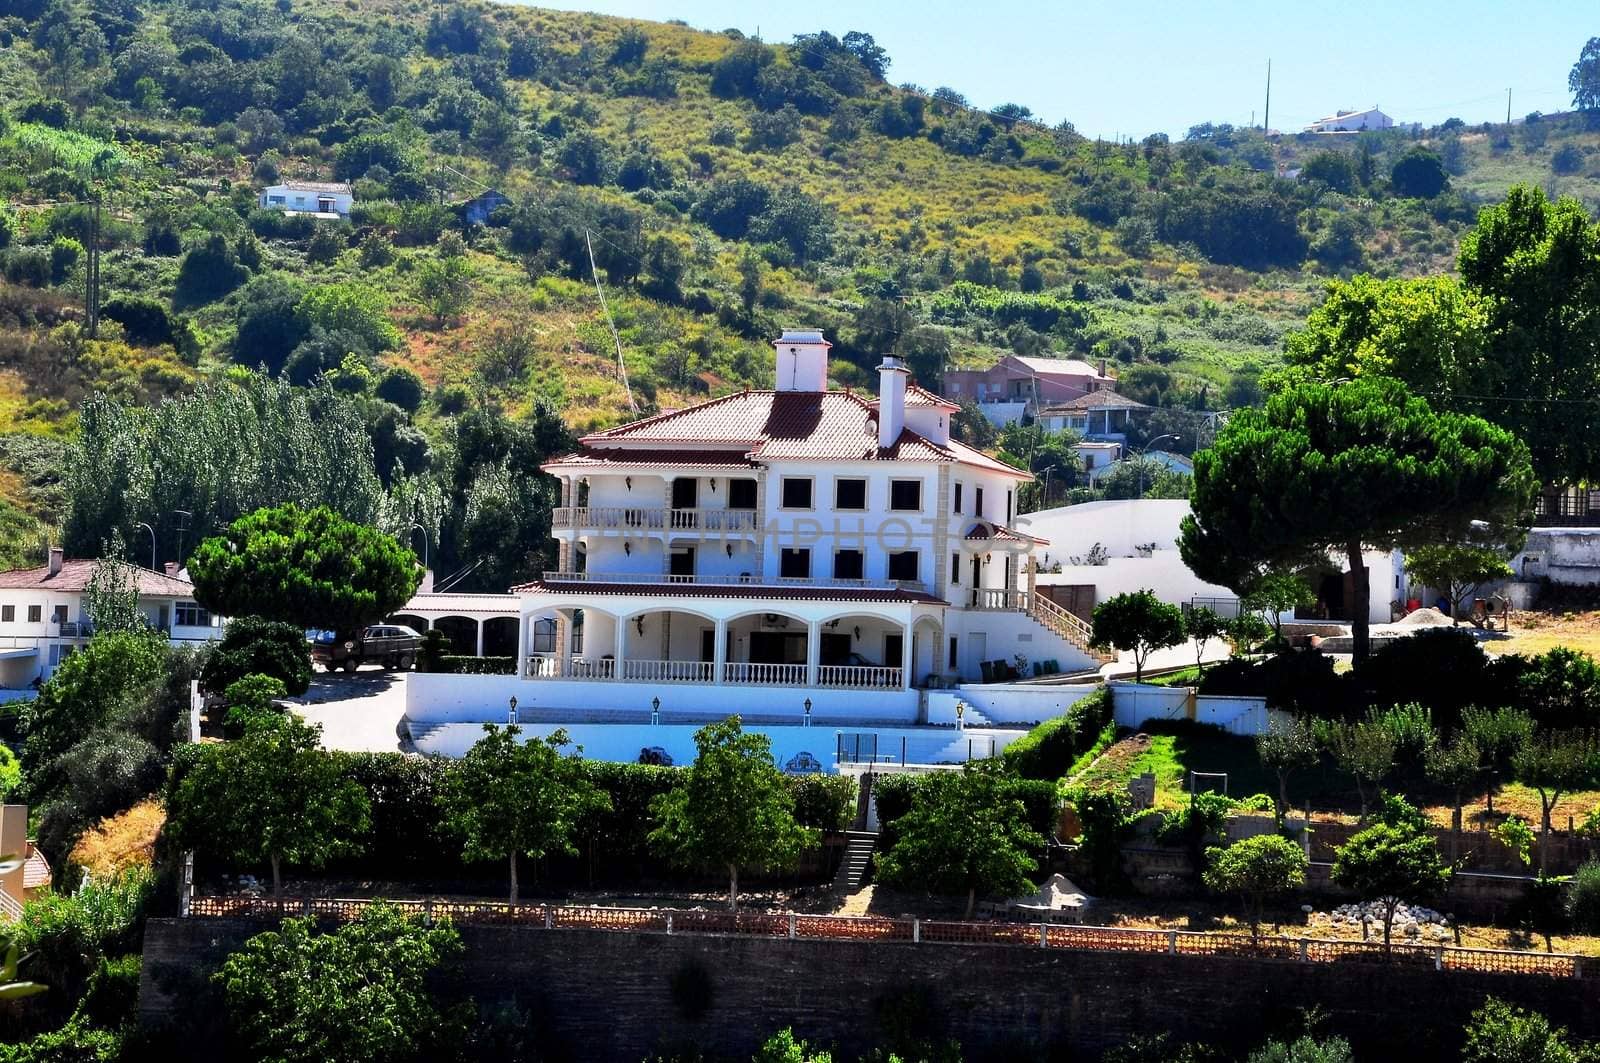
<point x="622" y="368"/>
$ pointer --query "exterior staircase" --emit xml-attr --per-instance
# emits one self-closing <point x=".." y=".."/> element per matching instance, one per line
<point x="857" y="862"/>
<point x="1063" y="625"/>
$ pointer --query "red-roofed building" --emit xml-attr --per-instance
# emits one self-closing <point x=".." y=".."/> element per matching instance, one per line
<point x="842" y="545"/>
<point x="44" y="618"/>
<point x="1019" y="385"/>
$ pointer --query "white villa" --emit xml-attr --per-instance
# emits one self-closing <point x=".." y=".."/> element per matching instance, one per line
<point x="43" y="619"/>
<point x="322" y="199"/>
<point x="1351" y="121"/>
<point x="785" y="551"/>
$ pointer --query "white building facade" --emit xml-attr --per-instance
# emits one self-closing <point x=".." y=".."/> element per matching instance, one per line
<point x="837" y="548"/>
<point x="44" y="616"/>
<point x="322" y="198"/>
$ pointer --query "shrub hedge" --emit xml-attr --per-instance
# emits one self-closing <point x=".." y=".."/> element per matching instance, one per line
<point x="1047" y="751"/>
<point x="894" y="793"/>
<point x="409" y="841"/>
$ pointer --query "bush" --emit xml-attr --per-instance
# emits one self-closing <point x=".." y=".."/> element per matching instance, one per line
<point x="1442" y="668"/>
<point x="1583" y="899"/>
<point x="403" y="388"/>
<point x="144" y="321"/>
<point x="894" y="794"/>
<point x="827" y="802"/>
<point x="1047" y="751"/>
<point x="255" y="646"/>
<point x="1301" y="682"/>
<point x="69" y="935"/>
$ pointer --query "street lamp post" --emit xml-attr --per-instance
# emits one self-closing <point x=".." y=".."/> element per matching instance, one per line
<point x="1143" y="450"/>
<point x="152" y="531"/>
<point x="417" y="527"/>
<point x="1048" y="469"/>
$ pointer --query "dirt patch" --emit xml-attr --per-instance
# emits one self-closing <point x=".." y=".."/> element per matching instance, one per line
<point x="1536" y="631"/>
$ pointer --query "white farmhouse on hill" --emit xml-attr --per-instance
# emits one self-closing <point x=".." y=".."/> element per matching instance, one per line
<point x="328" y="199"/>
<point x="1351" y="122"/>
<point x="773" y="551"/>
<point x="44" y="620"/>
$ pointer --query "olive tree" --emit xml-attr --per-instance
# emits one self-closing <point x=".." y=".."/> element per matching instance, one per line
<point x="1391" y="863"/>
<point x="1257" y="869"/>
<point x="733" y="810"/>
<point x="1136" y="622"/>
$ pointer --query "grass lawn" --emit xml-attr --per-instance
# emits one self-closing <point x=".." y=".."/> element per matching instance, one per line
<point x="1171" y="751"/>
<point x="1535" y="632"/>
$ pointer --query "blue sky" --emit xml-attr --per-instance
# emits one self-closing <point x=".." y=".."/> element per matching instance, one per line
<point x="1162" y="65"/>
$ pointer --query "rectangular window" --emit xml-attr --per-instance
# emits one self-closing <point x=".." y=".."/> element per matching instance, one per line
<point x="849" y="494"/>
<point x="8" y="613"/>
<point x="35" y="613"/>
<point x="741" y="494"/>
<point x="58" y="615"/>
<point x="977" y="501"/>
<point x="189" y="614"/>
<point x="955" y="570"/>
<point x="847" y="564"/>
<point x="950" y="661"/>
<point x="1008" y="507"/>
<point x="905" y="494"/>
<point x="795" y="563"/>
<point x="903" y="565"/>
<point x="55" y="654"/>
<point x="796" y="492"/>
<point x="957" y="508"/>
<point x="544" y="635"/>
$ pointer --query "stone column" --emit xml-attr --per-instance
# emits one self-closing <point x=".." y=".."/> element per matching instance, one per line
<point x="522" y="645"/>
<point x="813" y="652"/>
<point x="719" y="651"/>
<point x="563" y="644"/>
<point x="621" y="637"/>
<point x="907" y="656"/>
<point x="480" y="637"/>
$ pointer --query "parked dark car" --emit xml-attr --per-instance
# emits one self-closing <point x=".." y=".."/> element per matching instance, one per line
<point x="390" y="645"/>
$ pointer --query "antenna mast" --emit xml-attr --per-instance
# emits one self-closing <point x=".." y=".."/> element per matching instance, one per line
<point x="1266" y="116"/>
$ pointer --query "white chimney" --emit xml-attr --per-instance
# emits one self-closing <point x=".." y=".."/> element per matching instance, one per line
<point x="802" y="360"/>
<point x="56" y="555"/>
<point x="892" y="378"/>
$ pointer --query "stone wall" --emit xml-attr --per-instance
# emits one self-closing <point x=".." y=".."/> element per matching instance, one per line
<point x="618" y="996"/>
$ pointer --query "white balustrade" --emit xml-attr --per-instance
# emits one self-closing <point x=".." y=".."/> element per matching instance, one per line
<point x="859" y="677"/>
<point x="626" y="518"/>
<point x="575" y="668"/>
<point x="667" y="671"/>
<point x="764" y="674"/>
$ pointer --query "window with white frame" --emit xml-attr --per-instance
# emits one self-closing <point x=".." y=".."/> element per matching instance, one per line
<point x="544" y="635"/>
<point x="190" y="614"/>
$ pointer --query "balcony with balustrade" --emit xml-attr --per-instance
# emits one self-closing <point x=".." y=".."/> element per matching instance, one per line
<point x="856" y="652"/>
<point x="644" y="519"/>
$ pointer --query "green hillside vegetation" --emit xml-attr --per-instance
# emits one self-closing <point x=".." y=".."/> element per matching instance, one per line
<point x="725" y="187"/>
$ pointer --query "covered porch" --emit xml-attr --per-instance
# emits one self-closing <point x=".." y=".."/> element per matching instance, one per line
<point x="813" y="644"/>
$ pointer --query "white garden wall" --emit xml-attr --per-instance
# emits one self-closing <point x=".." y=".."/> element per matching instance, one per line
<point x="1135" y="704"/>
<point x="1008" y="702"/>
<point x="440" y="698"/>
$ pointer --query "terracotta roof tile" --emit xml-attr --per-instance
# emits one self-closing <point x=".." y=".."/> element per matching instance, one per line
<point x="36" y="870"/>
<point x="788" y="425"/>
<point x="75" y="575"/>
<point x="596" y="457"/>
<point x="1095" y="400"/>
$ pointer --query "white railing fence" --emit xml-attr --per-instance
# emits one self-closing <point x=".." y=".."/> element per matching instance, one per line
<point x="764" y="674"/>
<point x="859" y="677"/>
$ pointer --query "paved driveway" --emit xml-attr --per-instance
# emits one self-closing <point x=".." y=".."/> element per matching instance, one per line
<point x="359" y="712"/>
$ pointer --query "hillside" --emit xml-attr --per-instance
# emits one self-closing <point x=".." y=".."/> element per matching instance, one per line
<point x="726" y="187"/>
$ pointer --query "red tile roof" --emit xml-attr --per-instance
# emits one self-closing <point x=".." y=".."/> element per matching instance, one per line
<point x="798" y="592"/>
<point x="597" y="457"/>
<point x="920" y="396"/>
<point x="789" y="425"/>
<point x="35" y="870"/>
<point x="75" y="575"/>
<point x="1105" y="398"/>
<point x="987" y="532"/>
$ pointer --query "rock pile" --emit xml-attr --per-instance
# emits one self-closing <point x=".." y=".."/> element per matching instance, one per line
<point x="1412" y="922"/>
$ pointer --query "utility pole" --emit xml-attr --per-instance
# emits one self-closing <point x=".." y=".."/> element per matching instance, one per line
<point x="1266" y="115"/>
<point x="1508" y="106"/>
<point x="91" y="275"/>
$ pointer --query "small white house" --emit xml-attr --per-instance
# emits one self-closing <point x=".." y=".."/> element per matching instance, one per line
<point x="1155" y="459"/>
<point x="44" y="619"/>
<point x="1351" y="122"/>
<point x="327" y="199"/>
